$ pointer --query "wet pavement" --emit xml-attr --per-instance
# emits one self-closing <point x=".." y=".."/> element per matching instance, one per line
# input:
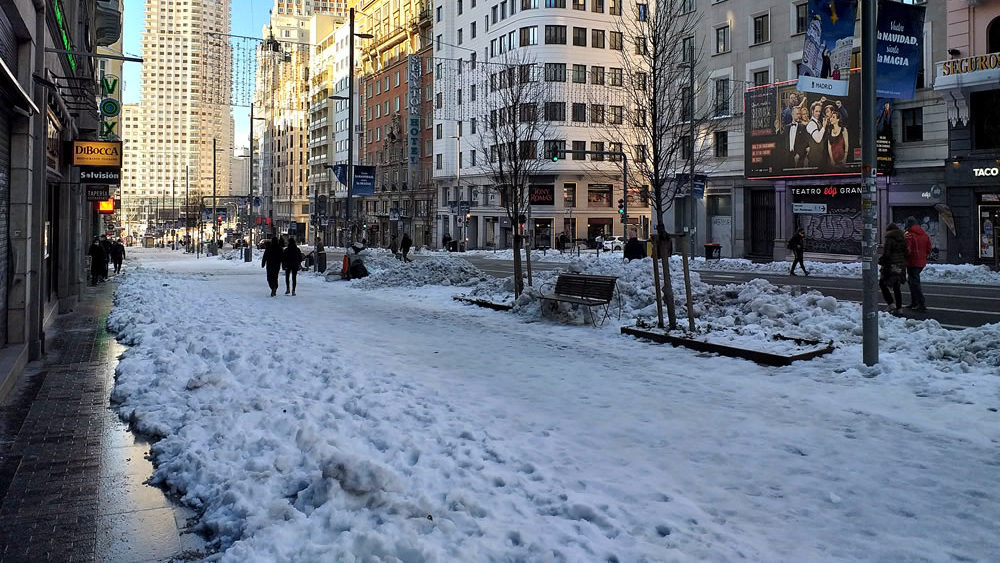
<point x="72" y="475"/>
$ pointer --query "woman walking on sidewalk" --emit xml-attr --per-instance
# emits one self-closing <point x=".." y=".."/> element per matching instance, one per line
<point x="291" y="260"/>
<point x="272" y="261"/>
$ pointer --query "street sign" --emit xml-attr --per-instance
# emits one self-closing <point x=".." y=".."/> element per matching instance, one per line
<point x="809" y="208"/>
<point x="101" y="174"/>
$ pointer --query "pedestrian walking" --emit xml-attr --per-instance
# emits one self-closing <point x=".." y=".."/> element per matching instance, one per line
<point x="106" y="245"/>
<point x="291" y="260"/>
<point x="892" y="267"/>
<point x="98" y="261"/>
<point x="394" y="247"/>
<point x="404" y="246"/>
<point x="918" y="248"/>
<point x="797" y="245"/>
<point x="272" y="261"/>
<point x="117" y="255"/>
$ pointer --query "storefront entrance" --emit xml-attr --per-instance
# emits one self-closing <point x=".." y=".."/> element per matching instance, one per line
<point x="761" y="223"/>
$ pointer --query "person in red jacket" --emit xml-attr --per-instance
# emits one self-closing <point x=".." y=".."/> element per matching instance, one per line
<point x="918" y="248"/>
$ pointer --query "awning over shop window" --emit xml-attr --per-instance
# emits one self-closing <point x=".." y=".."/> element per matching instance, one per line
<point x="12" y="91"/>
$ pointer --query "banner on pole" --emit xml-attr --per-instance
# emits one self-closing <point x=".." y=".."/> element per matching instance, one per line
<point x="899" y="50"/>
<point x="826" y="53"/>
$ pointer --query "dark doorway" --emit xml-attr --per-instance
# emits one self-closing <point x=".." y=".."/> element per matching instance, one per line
<point x="761" y="223"/>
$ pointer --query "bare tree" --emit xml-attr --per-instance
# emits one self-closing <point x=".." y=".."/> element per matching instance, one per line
<point x="662" y="124"/>
<point x="511" y="140"/>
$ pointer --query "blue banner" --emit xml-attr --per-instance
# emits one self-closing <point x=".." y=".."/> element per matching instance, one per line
<point x="900" y="49"/>
<point x="364" y="180"/>
<point x="340" y="171"/>
<point x="826" y="53"/>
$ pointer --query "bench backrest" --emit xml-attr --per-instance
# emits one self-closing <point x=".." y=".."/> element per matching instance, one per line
<point x="593" y="287"/>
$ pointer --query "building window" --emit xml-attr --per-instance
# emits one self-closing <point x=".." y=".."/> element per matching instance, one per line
<point x="687" y="49"/>
<point x="616" y="115"/>
<point x="529" y="36"/>
<point x="555" y="35"/>
<point x="472" y="30"/>
<point x="687" y="6"/>
<point x="761" y="29"/>
<point x="439" y="161"/>
<point x="615" y="77"/>
<point x="580" y="36"/>
<point x="529" y="4"/>
<point x="579" y="151"/>
<point x="579" y="4"/>
<point x="640" y="46"/>
<point x="529" y="150"/>
<point x="569" y="189"/>
<point x="913" y="124"/>
<point x="801" y="17"/>
<point x="437" y="16"/>
<point x="617" y="43"/>
<point x="460" y="7"/>
<point x="640" y="81"/>
<point x="642" y="12"/>
<point x="597" y="75"/>
<point x="687" y="104"/>
<point x="599" y="195"/>
<point x="686" y="148"/>
<point x="615" y="7"/>
<point x="761" y="77"/>
<point x="597" y="113"/>
<point x="597" y="6"/>
<point x="722" y="97"/>
<point x="641" y="153"/>
<point x="722" y="39"/>
<point x="439" y="131"/>
<point x="529" y="113"/>
<point x="597" y="38"/>
<point x="580" y="74"/>
<point x="555" y="111"/>
<point x="640" y="117"/>
<point x="579" y="112"/>
<point x="721" y="144"/>
<point x="555" y="3"/>
<point x="555" y="72"/>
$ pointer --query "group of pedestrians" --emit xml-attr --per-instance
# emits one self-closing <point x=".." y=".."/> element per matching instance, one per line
<point x="401" y="250"/>
<point x="103" y="252"/>
<point x="277" y="257"/>
<point x="904" y="256"/>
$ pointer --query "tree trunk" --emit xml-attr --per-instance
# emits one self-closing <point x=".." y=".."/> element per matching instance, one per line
<point x="518" y="281"/>
<point x="666" y="249"/>
<point x="656" y="284"/>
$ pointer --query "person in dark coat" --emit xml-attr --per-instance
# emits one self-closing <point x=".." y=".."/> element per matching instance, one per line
<point x="797" y="245"/>
<point x="291" y="260"/>
<point x="272" y="261"/>
<point x="404" y="247"/>
<point x="117" y="255"/>
<point x="634" y="250"/>
<point x="106" y="245"/>
<point x="892" y="267"/>
<point x="918" y="248"/>
<point x="394" y="247"/>
<point x="98" y="261"/>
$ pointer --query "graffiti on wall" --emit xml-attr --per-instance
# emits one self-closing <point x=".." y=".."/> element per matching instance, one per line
<point x="929" y="221"/>
<point x="835" y="225"/>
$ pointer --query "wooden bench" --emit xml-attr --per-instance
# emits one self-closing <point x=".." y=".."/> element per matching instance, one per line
<point x="587" y="290"/>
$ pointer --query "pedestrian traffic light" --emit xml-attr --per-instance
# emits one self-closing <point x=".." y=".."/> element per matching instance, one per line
<point x="621" y="207"/>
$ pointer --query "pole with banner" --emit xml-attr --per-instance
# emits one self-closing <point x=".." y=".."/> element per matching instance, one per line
<point x="869" y="203"/>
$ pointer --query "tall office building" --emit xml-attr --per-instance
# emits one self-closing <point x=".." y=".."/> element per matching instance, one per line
<point x="184" y="109"/>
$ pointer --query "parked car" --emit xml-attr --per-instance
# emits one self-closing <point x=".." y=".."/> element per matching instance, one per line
<point x="614" y="243"/>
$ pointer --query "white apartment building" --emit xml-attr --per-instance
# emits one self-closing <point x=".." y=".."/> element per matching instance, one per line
<point x="184" y="108"/>
<point x="576" y="48"/>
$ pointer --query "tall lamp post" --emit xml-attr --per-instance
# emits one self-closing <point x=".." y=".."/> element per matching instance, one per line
<point x="350" y="122"/>
<point x="458" y="184"/>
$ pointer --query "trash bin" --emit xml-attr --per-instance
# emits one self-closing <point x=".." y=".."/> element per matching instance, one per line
<point x="453" y="246"/>
<point x="713" y="251"/>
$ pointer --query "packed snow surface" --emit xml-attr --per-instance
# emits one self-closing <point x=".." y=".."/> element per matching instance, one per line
<point x="379" y="420"/>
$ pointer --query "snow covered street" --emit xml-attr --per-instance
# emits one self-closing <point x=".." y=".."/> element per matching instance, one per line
<point x="380" y="420"/>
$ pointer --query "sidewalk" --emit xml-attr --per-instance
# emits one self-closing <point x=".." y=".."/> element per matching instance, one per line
<point x="71" y="473"/>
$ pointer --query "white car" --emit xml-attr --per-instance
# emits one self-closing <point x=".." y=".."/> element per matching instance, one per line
<point x="614" y="243"/>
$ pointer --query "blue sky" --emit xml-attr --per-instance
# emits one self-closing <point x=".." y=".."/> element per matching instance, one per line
<point x="247" y="18"/>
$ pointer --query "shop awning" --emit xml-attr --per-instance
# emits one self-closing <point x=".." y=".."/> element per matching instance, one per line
<point x="13" y="92"/>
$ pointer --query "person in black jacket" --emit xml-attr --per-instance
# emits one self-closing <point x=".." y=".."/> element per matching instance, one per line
<point x="291" y="260"/>
<point x="404" y="247"/>
<point x="98" y="261"/>
<point x="634" y="250"/>
<point x="117" y="255"/>
<point x="272" y="260"/>
<point x="796" y="245"/>
<point x="106" y="245"/>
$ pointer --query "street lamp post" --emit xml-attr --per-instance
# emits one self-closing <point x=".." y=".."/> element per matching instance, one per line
<point x="350" y="122"/>
<point x="458" y="184"/>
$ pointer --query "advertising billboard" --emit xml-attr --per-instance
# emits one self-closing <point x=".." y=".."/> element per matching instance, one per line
<point x="793" y="133"/>
<point x="826" y="52"/>
<point x="830" y="215"/>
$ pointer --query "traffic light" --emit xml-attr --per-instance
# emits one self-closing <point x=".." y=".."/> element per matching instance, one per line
<point x="468" y="216"/>
<point x="621" y="207"/>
